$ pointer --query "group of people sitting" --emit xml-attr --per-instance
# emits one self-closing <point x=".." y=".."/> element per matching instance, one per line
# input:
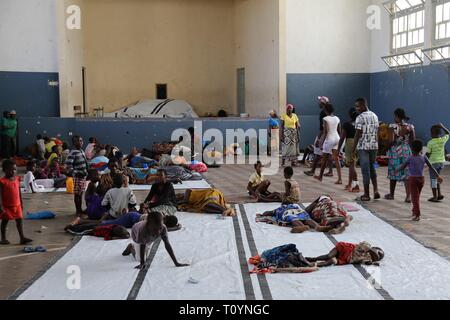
<point x="111" y="211"/>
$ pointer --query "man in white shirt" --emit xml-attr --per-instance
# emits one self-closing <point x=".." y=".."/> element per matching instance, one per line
<point x="119" y="199"/>
<point x="366" y="142"/>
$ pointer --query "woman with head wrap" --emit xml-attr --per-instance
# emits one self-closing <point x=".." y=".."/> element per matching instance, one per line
<point x="290" y="136"/>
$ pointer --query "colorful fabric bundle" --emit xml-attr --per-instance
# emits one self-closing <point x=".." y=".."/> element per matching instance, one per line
<point x="99" y="163"/>
<point x="199" y="167"/>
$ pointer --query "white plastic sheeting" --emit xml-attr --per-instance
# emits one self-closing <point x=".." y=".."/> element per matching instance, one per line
<point x="156" y="109"/>
<point x="409" y="270"/>
<point x="190" y="184"/>
<point x="330" y="283"/>
<point x="208" y="244"/>
<point x="104" y="273"/>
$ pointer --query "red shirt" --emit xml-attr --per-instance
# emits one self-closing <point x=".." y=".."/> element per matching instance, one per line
<point x="345" y="251"/>
<point x="103" y="232"/>
<point x="10" y="192"/>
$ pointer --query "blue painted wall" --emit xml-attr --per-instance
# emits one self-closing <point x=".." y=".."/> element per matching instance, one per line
<point x="342" y="89"/>
<point x="29" y="93"/>
<point x="423" y="92"/>
<point x="125" y="133"/>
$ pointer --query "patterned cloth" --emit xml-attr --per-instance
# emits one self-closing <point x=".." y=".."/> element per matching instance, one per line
<point x="286" y="256"/>
<point x="290" y="144"/>
<point x="397" y="155"/>
<point x="286" y="215"/>
<point x="79" y="186"/>
<point x="400" y="151"/>
<point x="368" y="123"/>
<point x="328" y="212"/>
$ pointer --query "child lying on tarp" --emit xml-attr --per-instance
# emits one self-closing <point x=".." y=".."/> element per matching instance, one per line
<point x="106" y="231"/>
<point x="127" y="220"/>
<point x="283" y="259"/>
<point x="294" y="216"/>
<point x="348" y="253"/>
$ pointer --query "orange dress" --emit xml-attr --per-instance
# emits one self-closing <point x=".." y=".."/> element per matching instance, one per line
<point x="12" y="206"/>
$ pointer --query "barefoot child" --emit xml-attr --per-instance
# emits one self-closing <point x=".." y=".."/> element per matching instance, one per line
<point x="258" y="186"/>
<point x="292" y="193"/>
<point x="436" y="154"/>
<point x="76" y="166"/>
<point x="349" y="253"/>
<point x="11" y="205"/>
<point x="416" y="164"/>
<point x="144" y="234"/>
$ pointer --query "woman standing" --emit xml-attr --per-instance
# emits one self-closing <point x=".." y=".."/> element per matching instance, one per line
<point x="290" y="136"/>
<point x="332" y="130"/>
<point x="401" y="135"/>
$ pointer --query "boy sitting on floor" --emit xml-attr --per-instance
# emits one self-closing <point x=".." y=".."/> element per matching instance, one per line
<point x="294" y="216"/>
<point x="144" y="234"/>
<point x="258" y="186"/>
<point x="292" y="193"/>
<point x="119" y="199"/>
<point x="349" y="253"/>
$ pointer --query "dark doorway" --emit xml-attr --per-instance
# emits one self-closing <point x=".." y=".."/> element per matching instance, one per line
<point x="161" y="91"/>
<point x="241" y="90"/>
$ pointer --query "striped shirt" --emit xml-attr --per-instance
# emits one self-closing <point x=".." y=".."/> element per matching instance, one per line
<point x="76" y="163"/>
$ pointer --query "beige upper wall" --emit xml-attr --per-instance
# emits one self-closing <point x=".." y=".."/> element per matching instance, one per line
<point x="327" y="36"/>
<point x="70" y="59"/>
<point x="132" y="45"/>
<point x="257" y="50"/>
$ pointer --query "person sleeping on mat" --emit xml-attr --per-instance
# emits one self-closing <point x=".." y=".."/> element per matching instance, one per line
<point x="293" y="216"/>
<point x="205" y="201"/>
<point x="144" y="234"/>
<point x="127" y="220"/>
<point x="329" y="213"/>
<point x="108" y="232"/>
<point x="348" y="253"/>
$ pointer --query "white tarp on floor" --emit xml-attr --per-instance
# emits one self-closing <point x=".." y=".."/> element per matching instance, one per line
<point x="209" y="245"/>
<point x="104" y="273"/>
<point x="190" y="184"/>
<point x="409" y="270"/>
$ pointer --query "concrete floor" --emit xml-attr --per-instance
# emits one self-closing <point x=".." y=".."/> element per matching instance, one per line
<point x="17" y="268"/>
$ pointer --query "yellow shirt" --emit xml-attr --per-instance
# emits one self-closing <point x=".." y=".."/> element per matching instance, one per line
<point x="49" y="146"/>
<point x="256" y="179"/>
<point x="289" y="122"/>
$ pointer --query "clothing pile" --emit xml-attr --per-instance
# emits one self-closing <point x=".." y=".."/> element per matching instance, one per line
<point x="283" y="257"/>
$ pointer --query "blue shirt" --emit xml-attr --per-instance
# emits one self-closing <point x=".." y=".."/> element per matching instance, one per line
<point x="274" y="122"/>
